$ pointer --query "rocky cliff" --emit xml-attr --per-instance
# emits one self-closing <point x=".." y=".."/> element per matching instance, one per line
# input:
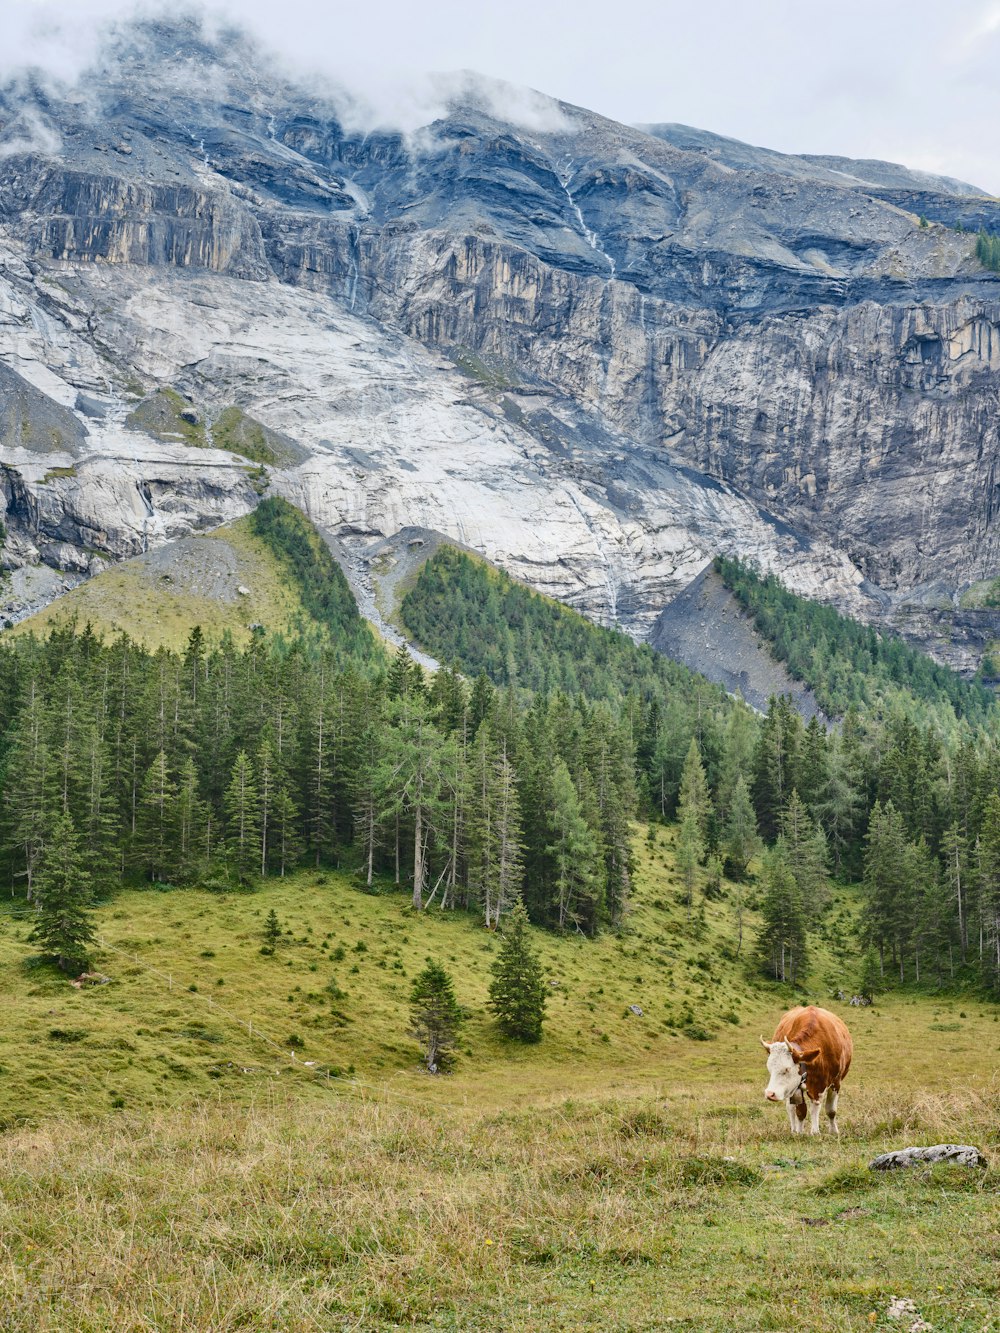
<point x="599" y="354"/>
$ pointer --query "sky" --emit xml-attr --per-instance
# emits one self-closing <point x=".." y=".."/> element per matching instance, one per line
<point x="917" y="83"/>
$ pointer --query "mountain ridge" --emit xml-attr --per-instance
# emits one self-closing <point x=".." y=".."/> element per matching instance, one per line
<point x="230" y="236"/>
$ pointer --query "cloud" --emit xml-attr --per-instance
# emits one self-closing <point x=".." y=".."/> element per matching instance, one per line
<point x="58" y="40"/>
<point x="29" y="133"/>
<point x="410" y="102"/>
<point x="774" y="73"/>
<point x="59" y="43"/>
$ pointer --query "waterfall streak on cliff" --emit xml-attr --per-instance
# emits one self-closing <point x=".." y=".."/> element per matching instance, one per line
<point x="592" y="238"/>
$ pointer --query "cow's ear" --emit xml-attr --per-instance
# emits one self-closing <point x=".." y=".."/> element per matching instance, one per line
<point x="766" y="1044"/>
<point x="807" y="1057"/>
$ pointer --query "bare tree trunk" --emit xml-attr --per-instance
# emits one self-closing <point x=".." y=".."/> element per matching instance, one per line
<point x="418" y="858"/>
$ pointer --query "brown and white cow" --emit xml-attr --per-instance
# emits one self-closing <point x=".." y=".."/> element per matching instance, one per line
<point x="807" y="1061"/>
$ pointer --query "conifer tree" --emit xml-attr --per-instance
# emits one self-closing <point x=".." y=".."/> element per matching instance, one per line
<point x="242" y="817"/>
<point x="989" y="886"/>
<point x="435" y="1016"/>
<point x="190" y="821"/>
<point x="886" y="886"/>
<point x="496" y="845"/>
<point x="401" y="675"/>
<point x="694" y="800"/>
<point x="156" y="820"/>
<point x="781" y="943"/>
<point x="517" y="990"/>
<point x="285" y="844"/>
<point x="63" y="924"/>
<point x="574" y="902"/>
<point x="272" y="929"/>
<point x="740" y="839"/>
<point x="690" y="850"/>
<point x="28" y="787"/>
<point x="370" y="782"/>
<point x="954" y="854"/>
<point x="870" y="983"/>
<point x="804" y="849"/>
<point x="267" y="781"/>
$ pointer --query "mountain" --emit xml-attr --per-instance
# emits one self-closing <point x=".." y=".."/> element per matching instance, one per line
<point x="600" y="355"/>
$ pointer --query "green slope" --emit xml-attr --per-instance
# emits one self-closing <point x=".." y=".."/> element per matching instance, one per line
<point x="157" y="598"/>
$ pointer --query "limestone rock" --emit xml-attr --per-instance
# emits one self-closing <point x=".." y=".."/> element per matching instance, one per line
<point x="597" y="354"/>
<point x="960" y="1154"/>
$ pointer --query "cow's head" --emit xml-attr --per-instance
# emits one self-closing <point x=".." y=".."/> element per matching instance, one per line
<point x="783" y="1061"/>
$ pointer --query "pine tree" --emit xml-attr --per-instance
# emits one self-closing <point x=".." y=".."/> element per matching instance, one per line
<point x="418" y="756"/>
<point x="574" y="897"/>
<point x="804" y="849"/>
<point x="740" y="839"/>
<point x="989" y="886"/>
<point x="272" y="930"/>
<point x="871" y="982"/>
<point x="267" y="782"/>
<point x="781" y="943"/>
<point x="63" y="924"/>
<point x="435" y="1016"/>
<point x="28" y="787"/>
<point x="286" y="844"/>
<point x="954" y="856"/>
<point x="694" y="799"/>
<point x="155" y="820"/>
<point x="885" y="914"/>
<point x="690" y="850"/>
<point x="496" y="856"/>
<point x="190" y="822"/>
<point x="517" y="991"/>
<point x="401" y="675"/>
<point x="242" y="817"/>
<point x="369" y="786"/>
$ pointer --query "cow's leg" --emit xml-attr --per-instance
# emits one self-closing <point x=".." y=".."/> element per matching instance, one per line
<point x="831" y="1110"/>
<point x="793" y="1116"/>
<point x="813" y="1115"/>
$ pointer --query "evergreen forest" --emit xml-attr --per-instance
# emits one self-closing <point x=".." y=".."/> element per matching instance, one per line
<point x="515" y="773"/>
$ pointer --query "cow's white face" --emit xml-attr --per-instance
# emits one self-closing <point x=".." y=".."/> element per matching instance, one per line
<point x="783" y="1072"/>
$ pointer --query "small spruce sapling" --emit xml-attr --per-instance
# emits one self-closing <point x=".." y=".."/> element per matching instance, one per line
<point x="62" y="897"/>
<point x="517" y="991"/>
<point x="871" y="976"/>
<point x="271" y="932"/>
<point x="435" y="1016"/>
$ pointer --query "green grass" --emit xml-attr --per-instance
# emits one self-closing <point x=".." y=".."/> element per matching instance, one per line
<point x="54" y="473"/>
<point x="240" y="434"/>
<point x="167" y="415"/>
<point x="985" y="594"/>
<point x="491" y="371"/>
<point x="135" y="598"/>
<point x="162" y="1168"/>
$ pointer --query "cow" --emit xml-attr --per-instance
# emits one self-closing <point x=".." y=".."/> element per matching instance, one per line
<point x="806" y="1062"/>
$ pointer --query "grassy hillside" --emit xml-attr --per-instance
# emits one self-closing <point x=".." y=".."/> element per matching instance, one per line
<point x="145" y="1040"/>
<point x="620" y="1175"/>
<point x="270" y="568"/>
<point x="156" y="598"/>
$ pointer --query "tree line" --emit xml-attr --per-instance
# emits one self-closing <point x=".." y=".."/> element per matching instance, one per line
<point x="913" y="735"/>
<point x="845" y="662"/>
<point x="218" y="765"/>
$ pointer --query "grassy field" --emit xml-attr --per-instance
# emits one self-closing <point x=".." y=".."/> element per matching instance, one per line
<point x="158" y="597"/>
<point x="163" y="1166"/>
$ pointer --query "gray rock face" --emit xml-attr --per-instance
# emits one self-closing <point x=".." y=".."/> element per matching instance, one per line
<point x="31" y="421"/>
<point x="659" y="345"/>
<point x="705" y="628"/>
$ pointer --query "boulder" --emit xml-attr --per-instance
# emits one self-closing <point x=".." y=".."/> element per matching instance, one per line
<point x="961" y="1154"/>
